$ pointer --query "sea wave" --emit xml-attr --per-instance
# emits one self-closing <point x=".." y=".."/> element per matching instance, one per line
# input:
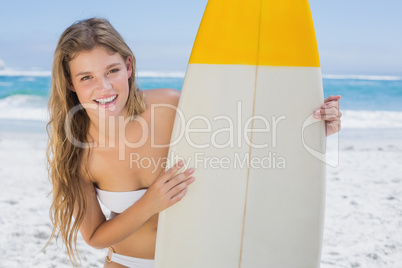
<point x="371" y="119"/>
<point x="25" y="107"/>
<point x="362" y="77"/>
<point x="12" y="72"/>
<point x="161" y="74"/>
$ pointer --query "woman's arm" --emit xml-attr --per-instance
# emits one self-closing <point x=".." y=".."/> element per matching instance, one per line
<point x="166" y="190"/>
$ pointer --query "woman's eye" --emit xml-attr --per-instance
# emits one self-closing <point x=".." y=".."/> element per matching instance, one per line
<point x="85" y="78"/>
<point x="114" y="70"/>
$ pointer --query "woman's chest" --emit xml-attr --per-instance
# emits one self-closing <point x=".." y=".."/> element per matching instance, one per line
<point x="137" y="157"/>
<point x="136" y="169"/>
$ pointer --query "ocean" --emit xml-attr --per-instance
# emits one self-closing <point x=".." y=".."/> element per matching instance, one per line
<point x="367" y="101"/>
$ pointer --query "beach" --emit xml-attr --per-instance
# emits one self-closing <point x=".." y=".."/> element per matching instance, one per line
<point x="25" y="225"/>
<point x="363" y="219"/>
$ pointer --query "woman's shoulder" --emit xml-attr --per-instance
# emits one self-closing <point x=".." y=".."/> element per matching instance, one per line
<point x="161" y="96"/>
<point x="161" y="111"/>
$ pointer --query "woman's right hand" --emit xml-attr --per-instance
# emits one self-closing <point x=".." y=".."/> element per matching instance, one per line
<point x="168" y="188"/>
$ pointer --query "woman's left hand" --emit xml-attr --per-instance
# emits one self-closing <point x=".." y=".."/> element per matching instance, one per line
<point x="329" y="112"/>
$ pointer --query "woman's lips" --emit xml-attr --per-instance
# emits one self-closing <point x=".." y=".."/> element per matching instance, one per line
<point x="107" y="101"/>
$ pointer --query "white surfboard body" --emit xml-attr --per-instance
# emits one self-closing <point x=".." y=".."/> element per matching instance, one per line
<point x="250" y="88"/>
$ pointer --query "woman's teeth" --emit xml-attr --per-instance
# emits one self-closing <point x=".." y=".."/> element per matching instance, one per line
<point x="106" y="100"/>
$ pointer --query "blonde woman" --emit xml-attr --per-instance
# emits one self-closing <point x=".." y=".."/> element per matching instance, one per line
<point x="98" y="120"/>
<point x="96" y="114"/>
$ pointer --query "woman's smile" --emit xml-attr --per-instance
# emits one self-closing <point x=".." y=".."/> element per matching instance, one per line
<point x="106" y="101"/>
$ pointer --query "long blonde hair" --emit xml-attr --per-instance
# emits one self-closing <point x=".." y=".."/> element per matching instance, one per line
<point x="65" y="158"/>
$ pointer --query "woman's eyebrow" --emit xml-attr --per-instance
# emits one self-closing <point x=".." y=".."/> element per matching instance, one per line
<point x="108" y="67"/>
<point x="113" y="65"/>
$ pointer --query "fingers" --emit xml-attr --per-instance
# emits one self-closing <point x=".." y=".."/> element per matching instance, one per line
<point x="167" y="174"/>
<point x="178" y="178"/>
<point x="328" y="114"/>
<point x="178" y="189"/>
<point x="173" y="184"/>
<point x="177" y="197"/>
<point x="330" y="104"/>
<point x="333" y="98"/>
<point x="169" y="187"/>
<point x="179" y="182"/>
<point x="329" y="110"/>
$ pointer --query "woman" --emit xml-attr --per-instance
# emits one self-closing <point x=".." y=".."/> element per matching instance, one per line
<point x="98" y="120"/>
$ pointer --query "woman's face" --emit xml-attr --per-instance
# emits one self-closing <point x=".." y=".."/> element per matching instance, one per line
<point x="100" y="80"/>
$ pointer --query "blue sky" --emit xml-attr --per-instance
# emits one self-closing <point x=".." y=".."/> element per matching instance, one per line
<point x="354" y="36"/>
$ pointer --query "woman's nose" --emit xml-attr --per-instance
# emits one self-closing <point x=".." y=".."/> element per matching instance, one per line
<point x="105" y="84"/>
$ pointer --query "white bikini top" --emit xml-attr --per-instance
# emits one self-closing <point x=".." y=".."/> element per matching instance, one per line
<point x="119" y="201"/>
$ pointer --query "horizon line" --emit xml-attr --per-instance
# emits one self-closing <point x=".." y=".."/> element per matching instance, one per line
<point x="181" y="74"/>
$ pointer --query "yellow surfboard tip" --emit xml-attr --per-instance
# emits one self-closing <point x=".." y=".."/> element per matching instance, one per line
<point x="263" y="32"/>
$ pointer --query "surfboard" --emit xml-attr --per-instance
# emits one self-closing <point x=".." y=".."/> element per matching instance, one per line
<point x="244" y="122"/>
